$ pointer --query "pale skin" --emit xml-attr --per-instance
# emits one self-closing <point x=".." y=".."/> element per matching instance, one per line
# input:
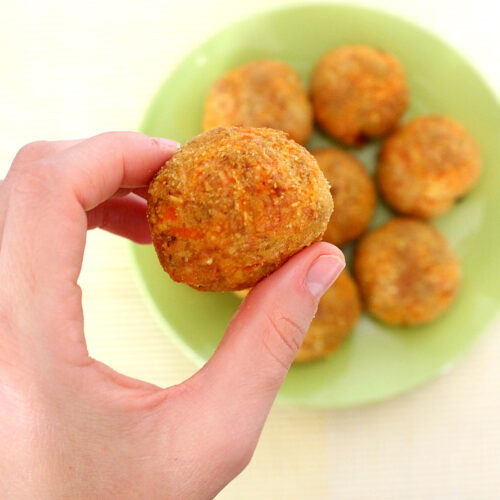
<point x="70" y="426"/>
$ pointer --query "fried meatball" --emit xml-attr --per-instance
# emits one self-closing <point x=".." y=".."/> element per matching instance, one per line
<point x="338" y="312"/>
<point x="407" y="272"/>
<point x="233" y="204"/>
<point x="353" y="193"/>
<point x="261" y="94"/>
<point x="426" y="165"/>
<point x="358" y="93"/>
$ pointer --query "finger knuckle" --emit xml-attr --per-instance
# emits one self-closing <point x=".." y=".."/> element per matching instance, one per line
<point x="32" y="179"/>
<point x="29" y="151"/>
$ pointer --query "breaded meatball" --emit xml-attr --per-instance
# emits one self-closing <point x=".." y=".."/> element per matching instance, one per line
<point x="353" y="193"/>
<point x="338" y="312"/>
<point x="407" y="272"/>
<point x="426" y="165"/>
<point x="233" y="204"/>
<point x="358" y="93"/>
<point x="261" y="94"/>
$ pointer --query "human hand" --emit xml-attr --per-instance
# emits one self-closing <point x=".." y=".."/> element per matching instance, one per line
<point x="70" y="426"/>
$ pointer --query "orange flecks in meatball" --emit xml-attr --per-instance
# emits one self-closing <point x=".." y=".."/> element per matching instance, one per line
<point x="358" y="93"/>
<point x="263" y="93"/>
<point x="353" y="193"/>
<point x="426" y="165"/>
<point x="233" y="204"/>
<point x="407" y="272"/>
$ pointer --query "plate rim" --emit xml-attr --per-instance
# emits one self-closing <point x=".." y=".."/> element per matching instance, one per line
<point x="169" y="330"/>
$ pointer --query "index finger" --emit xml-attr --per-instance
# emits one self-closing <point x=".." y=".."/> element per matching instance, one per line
<point x="46" y="223"/>
<point x="97" y="167"/>
<point x="45" y="220"/>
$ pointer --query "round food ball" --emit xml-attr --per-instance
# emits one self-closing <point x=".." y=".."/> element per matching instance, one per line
<point x="261" y="94"/>
<point x="353" y="193"/>
<point x="407" y="272"/>
<point x="358" y="93"/>
<point x="233" y="204"/>
<point x="338" y="311"/>
<point x="426" y="165"/>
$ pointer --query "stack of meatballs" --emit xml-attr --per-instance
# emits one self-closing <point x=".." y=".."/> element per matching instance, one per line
<point x="404" y="272"/>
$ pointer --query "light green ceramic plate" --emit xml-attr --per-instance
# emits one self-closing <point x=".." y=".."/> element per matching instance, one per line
<point x="377" y="361"/>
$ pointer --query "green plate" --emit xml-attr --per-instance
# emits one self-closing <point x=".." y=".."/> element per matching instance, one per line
<point x="376" y="362"/>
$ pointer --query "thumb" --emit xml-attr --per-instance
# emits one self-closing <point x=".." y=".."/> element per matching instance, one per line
<point x="249" y="366"/>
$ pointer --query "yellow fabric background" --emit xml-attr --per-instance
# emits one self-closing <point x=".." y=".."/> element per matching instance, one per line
<point x="73" y="69"/>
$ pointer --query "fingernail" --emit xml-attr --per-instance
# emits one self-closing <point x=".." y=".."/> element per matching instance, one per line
<point x="323" y="272"/>
<point x="168" y="143"/>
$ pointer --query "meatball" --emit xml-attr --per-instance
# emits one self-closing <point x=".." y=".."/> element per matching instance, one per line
<point x="233" y="204"/>
<point x="353" y="193"/>
<point x="407" y="272"/>
<point x="261" y="94"/>
<point x="358" y="93"/>
<point x="338" y="312"/>
<point x="426" y="165"/>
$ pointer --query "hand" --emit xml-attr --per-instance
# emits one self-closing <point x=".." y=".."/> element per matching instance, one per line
<point x="70" y="426"/>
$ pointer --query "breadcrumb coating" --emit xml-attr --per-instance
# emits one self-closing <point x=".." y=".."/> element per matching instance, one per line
<point x="353" y="192"/>
<point x="427" y="165"/>
<point x="264" y="93"/>
<point x="407" y="272"/>
<point x="233" y="204"/>
<point x="358" y="93"/>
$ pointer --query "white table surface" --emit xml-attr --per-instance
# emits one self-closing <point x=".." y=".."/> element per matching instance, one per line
<point x="72" y="69"/>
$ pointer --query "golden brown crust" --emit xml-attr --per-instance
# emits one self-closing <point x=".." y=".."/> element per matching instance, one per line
<point x="338" y="311"/>
<point x="426" y="165"/>
<point x="233" y="204"/>
<point x="353" y="193"/>
<point x="261" y="94"/>
<point x="407" y="272"/>
<point x="358" y="93"/>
